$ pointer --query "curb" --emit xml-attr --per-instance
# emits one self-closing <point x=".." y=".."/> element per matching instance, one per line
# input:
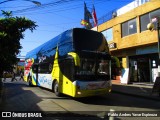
<point x="136" y="95"/>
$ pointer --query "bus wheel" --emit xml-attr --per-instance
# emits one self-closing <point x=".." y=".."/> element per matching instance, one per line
<point x="56" y="89"/>
<point x="30" y="81"/>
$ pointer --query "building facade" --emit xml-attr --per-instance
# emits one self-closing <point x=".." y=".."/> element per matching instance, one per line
<point x="131" y="41"/>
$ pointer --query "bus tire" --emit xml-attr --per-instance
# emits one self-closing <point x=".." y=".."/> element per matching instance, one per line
<point x="30" y="81"/>
<point x="56" y="89"/>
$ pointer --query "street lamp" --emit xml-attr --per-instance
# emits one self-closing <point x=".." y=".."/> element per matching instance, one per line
<point x="150" y="27"/>
<point x="35" y="2"/>
<point x="158" y="32"/>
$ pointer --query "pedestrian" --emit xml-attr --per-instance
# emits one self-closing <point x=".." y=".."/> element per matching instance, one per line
<point x="4" y="76"/>
<point x="13" y="76"/>
<point x="21" y="75"/>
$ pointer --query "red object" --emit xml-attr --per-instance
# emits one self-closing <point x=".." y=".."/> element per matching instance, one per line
<point x="94" y="16"/>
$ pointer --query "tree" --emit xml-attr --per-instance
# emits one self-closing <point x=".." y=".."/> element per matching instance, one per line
<point x="115" y="67"/>
<point x="11" y="32"/>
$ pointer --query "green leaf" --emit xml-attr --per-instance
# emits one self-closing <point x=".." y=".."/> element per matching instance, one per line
<point x="11" y="32"/>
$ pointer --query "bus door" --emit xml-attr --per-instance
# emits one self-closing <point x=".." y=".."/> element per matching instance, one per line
<point x="35" y="72"/>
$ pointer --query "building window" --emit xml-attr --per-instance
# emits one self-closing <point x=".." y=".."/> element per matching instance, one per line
<point x="149" y="17"/>
<point x="108" y="34"/>
<point x="129" y="27"/>
<point x="144" y="22"/>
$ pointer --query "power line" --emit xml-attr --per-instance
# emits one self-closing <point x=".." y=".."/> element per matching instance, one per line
<point x="56" y="4"/>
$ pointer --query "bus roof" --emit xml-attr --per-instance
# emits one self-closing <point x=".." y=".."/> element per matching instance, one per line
<point x="51" y="45"/>
<point x="76" y="39"/>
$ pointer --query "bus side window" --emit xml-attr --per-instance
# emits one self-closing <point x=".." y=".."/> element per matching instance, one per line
<point x="44" y="68"/>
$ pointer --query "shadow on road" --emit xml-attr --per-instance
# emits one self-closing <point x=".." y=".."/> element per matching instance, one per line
<point x="17" y="98"/>
<point x="114" y="99"/>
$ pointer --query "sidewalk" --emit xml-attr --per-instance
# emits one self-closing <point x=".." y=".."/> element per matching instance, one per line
<point x="139" y="90"/>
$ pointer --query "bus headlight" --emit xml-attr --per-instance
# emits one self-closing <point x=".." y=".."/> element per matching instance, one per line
<point x="78" y="92"/>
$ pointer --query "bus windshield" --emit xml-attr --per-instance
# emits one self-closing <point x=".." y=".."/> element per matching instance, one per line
<point x="93" y="67"/>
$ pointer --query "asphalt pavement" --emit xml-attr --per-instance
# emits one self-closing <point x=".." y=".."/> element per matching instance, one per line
<point x="144" y="90"/>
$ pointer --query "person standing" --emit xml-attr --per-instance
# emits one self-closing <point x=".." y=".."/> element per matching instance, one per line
<point x="21" y="75"/>
<point x="13" y="76"/>
<point x="4" y="76"/>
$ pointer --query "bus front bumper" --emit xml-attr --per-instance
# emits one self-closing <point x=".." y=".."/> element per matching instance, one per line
<point x="96" y="92"/>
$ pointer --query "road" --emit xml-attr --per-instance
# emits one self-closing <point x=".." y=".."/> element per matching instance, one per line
<point x="19" y="97"/>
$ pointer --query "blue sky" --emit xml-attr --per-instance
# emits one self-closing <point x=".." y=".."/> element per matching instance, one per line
<point x="55" y="16"/>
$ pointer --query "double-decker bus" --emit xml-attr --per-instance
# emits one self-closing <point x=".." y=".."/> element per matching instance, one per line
<point x="76" y="63"/>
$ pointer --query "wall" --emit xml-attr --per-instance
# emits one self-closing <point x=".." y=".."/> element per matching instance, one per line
<point x="139" y="39"/>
